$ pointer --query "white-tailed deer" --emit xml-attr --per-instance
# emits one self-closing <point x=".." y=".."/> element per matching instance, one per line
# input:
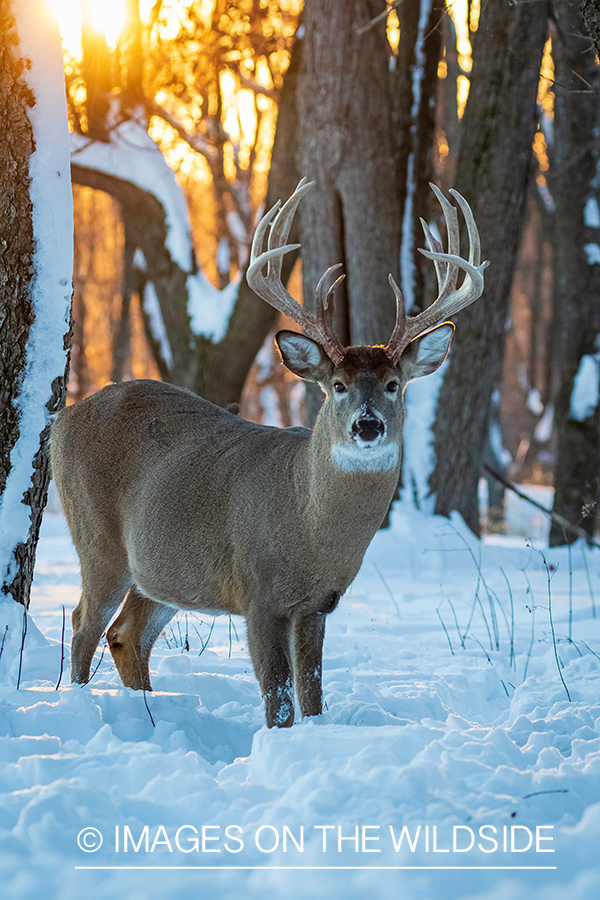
<point x="176" y="504"/>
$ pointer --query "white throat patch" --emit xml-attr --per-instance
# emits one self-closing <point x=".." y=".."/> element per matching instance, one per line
<point x="352" y="458"/>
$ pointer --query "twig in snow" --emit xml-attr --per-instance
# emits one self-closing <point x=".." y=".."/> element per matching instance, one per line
<point x="387" y="587"/>
<point x="539" y="793"/>
<point x="451" y="605"/>
<point x="512" y="620"/>
<point x="496" y="639"/>
<point x="487" y="655"/>
<point x="98" y="663"/>
<point x="558" y="663"/>
<point x="3" y="639"/>
<point x="570" y="592"/>
<point x="587" y="647"/>
<point x="445" y="630"/>
<point x="205" y="643"/>
<point x="554" y="517"/>
<point x="62" y="650"/>
<point x="143" y="688"/>
<point x="589" y="581"/>
<point x="532" y="608"/>
<point x="23" y="635"/>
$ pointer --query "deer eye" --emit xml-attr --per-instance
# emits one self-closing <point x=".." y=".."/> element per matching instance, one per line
<point x="391" y="387"/>
<point x="339" y="387"/>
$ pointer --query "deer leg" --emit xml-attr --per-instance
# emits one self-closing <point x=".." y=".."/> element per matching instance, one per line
<point x="269" y="642"/>
<point x="132" y="636"/>
<point x="308" y="633"/>
<point x="103" y="589"/>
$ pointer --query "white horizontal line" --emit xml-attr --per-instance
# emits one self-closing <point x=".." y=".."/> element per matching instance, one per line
<point x="325" y="868"/>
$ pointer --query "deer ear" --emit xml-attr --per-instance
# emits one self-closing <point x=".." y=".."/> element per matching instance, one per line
<point x="303" y="356"/>
<point x="426" y="354"/>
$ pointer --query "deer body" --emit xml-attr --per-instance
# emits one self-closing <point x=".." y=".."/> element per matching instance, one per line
<point x="174" y="503"/>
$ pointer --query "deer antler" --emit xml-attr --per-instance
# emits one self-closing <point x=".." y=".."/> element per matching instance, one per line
<point x="319" y="327"/>
<point x="450" y="299"/>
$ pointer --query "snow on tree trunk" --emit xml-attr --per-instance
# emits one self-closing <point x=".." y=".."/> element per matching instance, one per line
<point x="576" y="191"/>
<point x="415" y="85"/>
<point x="36" y="241"/>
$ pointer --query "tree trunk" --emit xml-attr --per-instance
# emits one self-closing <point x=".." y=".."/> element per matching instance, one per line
<point x="575" y="190"/>
<point x="352" y="216"/>
<point x="492" y="173"/>
<point x="121" y="344"/>
<point x="414" y="86"/>
<point x="96" y="70"/>
<point x="35" y="276"/>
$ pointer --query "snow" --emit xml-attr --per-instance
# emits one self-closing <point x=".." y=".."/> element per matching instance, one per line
<point x="585" y="395"/>
<point x="155" y="319"/>
<point x="543" y="429"/>
<point x="498" y="449"/>
<point x="418" y="455"/>
<point x="592" y="254"/>
<point x="209" y="309"/>
<point x="133" y="156"/>
<point x="534" y="402"/>
<point x="415" y="733"/>
<point x="53" y="264"/>
<point x="270" y="407"/>
<point x="591" y="213"/>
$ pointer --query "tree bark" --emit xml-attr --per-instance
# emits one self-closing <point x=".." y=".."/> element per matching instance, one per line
<point x="35" y="272"/>
<point x="492" y="173"/>
<point x="414" y="89"/>
<point x="352" y="216"/>
<point x="121" y="344"/>
<point x="16" y="229"/>
<point x="575" y="191"/>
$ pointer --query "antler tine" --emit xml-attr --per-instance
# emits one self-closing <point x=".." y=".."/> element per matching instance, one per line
<point x="441" y="268"/>
<point x="270" y="287"/>
<point x="259" y="235"/>
<point x="282" y="223"/>
<point x="472" y="230"/>
<point x="325" y="305"/>
<point x="400" y="326"/>
<point x="453" y="232"/>
<point x="450" y="299"/>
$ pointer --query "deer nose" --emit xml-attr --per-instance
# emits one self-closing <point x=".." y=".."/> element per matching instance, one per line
<point x="368" y="428"/>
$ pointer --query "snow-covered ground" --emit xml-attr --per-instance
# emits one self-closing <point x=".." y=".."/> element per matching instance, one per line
<point x="419" y="731"/>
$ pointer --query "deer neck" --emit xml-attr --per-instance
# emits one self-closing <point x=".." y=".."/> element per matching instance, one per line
<point x="348" y="494"/>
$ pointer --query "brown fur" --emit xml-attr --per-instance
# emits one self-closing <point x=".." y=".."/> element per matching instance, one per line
<point x="174" y="503"/>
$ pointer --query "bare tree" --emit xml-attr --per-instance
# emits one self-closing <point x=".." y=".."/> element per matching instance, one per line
<point x="576" y="192"/>
<point x="492" y="172"/>
<point x="213" y="361"/>
<point x="35" y="276"/>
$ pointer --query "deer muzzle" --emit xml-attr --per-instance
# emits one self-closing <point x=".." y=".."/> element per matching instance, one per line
<point x="368" y="428"/>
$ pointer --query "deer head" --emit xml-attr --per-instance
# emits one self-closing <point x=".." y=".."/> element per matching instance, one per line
<point x="365" y="385"/>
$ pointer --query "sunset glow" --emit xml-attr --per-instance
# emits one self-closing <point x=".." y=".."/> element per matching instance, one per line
<point x="107" y="17"/>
